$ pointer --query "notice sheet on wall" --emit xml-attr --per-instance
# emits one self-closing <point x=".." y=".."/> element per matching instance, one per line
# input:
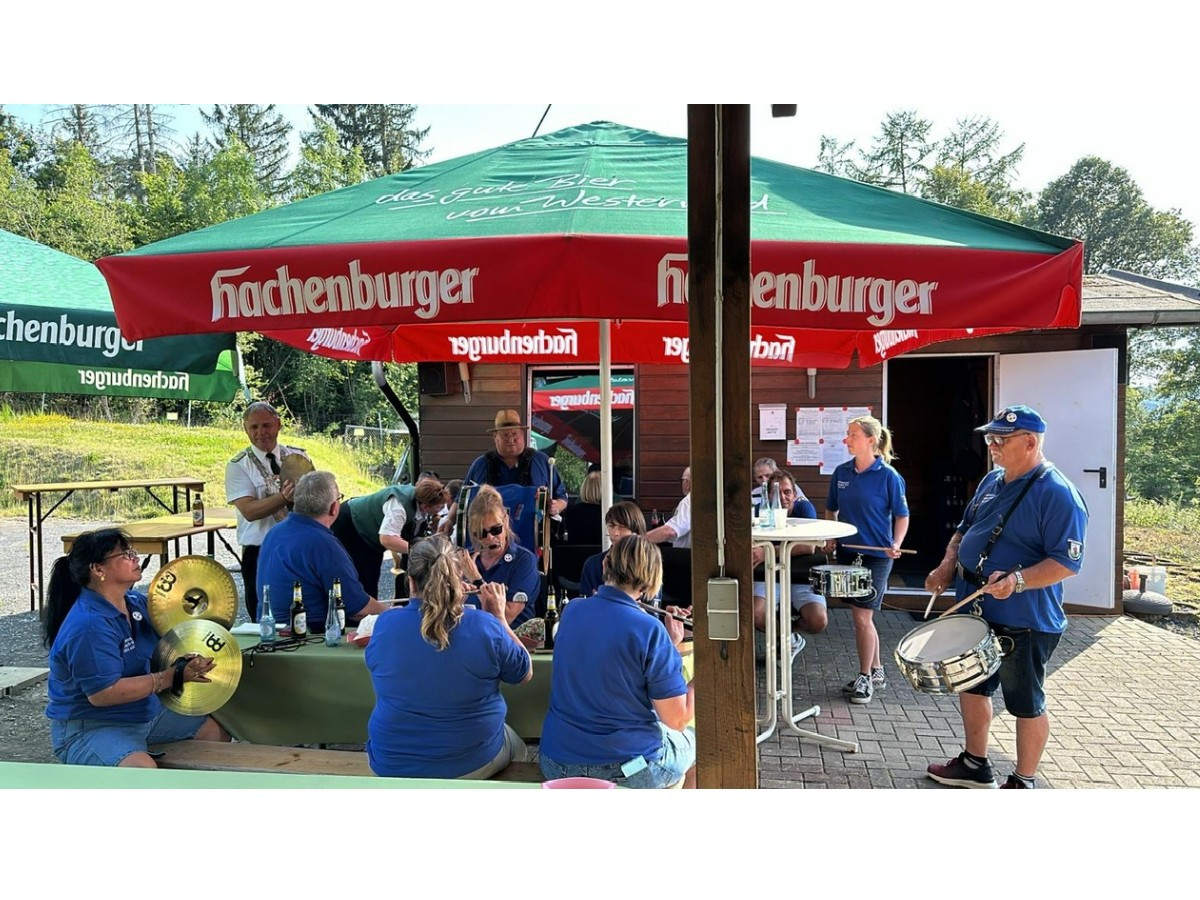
<point x="819" y="433"/>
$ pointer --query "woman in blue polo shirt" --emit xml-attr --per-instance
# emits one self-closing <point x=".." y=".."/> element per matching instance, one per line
<point x="104" y="708"/>
<point x="619" y="706"/>
<point x="436" y="666"/>
<point x="868" y="493"/>
<point x="498" y="558"/>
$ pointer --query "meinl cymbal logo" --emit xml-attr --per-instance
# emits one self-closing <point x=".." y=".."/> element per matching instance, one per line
<point x="809" y="291"/>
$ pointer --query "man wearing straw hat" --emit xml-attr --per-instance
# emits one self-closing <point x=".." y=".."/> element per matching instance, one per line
<point x="512" y="462"/>
<point x="1021" y="536"/>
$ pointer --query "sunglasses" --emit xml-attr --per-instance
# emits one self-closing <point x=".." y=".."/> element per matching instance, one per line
<point x="128" y="554"/>
<point x="996" y="440"/>
<point x="494" y="531"/>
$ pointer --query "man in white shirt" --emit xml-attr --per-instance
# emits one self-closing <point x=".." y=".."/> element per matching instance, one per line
<point x="253" y="487"/>
<point x="678" y="529"/>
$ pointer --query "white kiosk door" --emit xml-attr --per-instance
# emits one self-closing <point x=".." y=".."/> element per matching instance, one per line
<point x="1076" y="393"/>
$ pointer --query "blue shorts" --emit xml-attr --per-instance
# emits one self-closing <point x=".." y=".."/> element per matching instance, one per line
<point x="880" y="568"/>
<point x="678" y="755"/>
<point x="90" y="742"/>
<point x="1022" y="672"/>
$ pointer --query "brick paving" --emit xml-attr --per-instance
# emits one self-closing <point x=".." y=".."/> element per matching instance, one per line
<point x="1123" y="697"/>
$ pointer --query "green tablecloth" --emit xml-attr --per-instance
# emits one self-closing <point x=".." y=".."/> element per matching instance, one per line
<point x="43" y="776"/>
<point x="323" y="695"/>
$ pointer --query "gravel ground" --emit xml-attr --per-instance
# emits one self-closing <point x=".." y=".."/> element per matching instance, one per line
<point x="24" y="729"/>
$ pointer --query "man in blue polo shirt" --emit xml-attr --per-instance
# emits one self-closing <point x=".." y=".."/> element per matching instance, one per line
<point x="302" y="548"/>
<point x="512" y="462"/>
<point x="1042" y="522"/>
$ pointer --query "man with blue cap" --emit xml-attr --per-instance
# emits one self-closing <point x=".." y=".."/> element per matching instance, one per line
<point x="1021" y="536"/>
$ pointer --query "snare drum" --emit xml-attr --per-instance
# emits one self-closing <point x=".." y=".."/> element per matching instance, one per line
<point x="841" y="582"/>
<point x="949" y="655"/>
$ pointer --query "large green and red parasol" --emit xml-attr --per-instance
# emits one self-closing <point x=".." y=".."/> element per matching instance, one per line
<point x="58" y="335"/>
<point x="590" y="223"/>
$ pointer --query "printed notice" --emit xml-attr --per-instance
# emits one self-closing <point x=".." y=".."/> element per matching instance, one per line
<point x="772" y="421"/>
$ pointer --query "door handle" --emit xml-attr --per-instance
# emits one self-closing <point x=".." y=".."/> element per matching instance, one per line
<point x="1103" y="472"/>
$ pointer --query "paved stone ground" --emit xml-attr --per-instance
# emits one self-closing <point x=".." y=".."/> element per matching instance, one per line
<point x="1123" y="697"/>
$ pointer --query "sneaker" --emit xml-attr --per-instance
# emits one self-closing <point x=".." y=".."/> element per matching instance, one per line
<point x="878" y="680"/>
<point x="956" y="773"/>
<point x="798" y="644"/>
<point x="1015" y="782"/>
<point x="863" y="691"/>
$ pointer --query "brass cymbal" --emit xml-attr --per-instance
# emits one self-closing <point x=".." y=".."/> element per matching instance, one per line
<point x="208" y="639"/>
<point x="189" y="588"/>
<point x="294" y="465"/>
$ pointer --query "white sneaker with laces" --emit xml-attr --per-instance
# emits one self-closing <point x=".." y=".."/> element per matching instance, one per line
<point x="798" y="644"/>
<point x="862" y="690"/>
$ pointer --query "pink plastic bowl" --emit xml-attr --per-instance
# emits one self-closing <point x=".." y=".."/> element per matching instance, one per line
<point x="578" y="781"/>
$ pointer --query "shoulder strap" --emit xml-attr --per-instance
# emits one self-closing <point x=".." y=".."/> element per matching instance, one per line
<point x="999" y="529"/>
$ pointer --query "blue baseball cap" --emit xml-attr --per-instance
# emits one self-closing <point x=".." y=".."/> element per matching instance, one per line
<point x="1015" y="418"/>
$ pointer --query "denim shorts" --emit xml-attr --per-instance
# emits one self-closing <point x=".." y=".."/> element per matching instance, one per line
<point x="802" y="595"/>
<point x="880" y="568"/>
<point x="1022" y="672"/>
<point x="89" y="742"/>
<point x="678" y="755"/>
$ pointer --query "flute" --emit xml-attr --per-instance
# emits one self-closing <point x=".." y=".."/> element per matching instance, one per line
<point x="662" y="612"/>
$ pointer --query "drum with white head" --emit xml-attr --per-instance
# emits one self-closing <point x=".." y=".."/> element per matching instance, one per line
<point x="949" y="655"/>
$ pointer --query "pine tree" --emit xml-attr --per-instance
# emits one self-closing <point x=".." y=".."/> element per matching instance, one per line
<point x="384" y="133"/>
<point x="265" y="133"/>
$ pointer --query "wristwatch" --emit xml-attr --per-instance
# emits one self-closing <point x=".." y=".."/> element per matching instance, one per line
<point x="1020" y="582"/>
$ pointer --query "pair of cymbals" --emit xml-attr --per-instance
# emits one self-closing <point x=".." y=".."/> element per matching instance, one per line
<point x="199" y="698"/>
<point x="191" y="588"/>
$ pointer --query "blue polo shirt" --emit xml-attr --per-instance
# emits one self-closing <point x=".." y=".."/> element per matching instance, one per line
<point x="1050" y="523"/>
<point x="438" y="713"/>
<point x="869" y="500"/>
<point x="304" y="550"/>
<point x="611" y="659"/>
<point x="517" y="570"/>
<point x="539" y="474"/>
<point x="95" y="648"/>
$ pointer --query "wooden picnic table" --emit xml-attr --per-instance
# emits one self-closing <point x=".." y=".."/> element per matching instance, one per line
<point x="32" y="495"/>
<point x="153" y="537"/>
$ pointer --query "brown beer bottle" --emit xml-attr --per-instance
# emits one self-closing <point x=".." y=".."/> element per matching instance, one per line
<point x="551" y="619"/>
<point x="297" y="618"/>
<point x="197" y="512"/>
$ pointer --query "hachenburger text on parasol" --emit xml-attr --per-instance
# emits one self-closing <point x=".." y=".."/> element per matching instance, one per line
<point x="283" y="295"/>
<point x="810" y="291"/>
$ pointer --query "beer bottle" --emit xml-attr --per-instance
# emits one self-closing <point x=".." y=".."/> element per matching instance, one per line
<point x="551" y="618"/>
<point x="296" y="615"/>
<point x="197" y="512"/>
<point x="339" y="605"/>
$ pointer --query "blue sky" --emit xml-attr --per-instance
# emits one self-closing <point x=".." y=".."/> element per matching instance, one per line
<point x="1160" y="160"/>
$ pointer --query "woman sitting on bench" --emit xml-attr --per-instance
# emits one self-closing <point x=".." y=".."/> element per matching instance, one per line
<point x="619" y="705"/>
<point x="436" y="666"/>
<point x="104" y="708"/>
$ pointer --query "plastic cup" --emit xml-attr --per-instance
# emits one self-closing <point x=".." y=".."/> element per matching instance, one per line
<point x="577" y="781"/>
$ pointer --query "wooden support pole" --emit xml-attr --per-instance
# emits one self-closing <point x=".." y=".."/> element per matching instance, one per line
<point x="719" y="327"/>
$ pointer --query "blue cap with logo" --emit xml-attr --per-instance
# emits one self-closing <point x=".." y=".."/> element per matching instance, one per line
<point x="1015" y="418"/>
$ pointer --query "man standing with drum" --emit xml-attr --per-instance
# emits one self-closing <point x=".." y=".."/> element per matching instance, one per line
<point x="1025" y="516"/>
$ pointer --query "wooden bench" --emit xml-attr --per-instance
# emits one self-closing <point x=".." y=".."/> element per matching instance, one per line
<point x="215" y="756"/>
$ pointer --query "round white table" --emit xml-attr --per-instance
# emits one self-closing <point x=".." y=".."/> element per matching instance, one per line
<point x="777" y="544"/>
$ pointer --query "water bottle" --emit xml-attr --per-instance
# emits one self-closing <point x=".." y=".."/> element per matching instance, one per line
<point x="778" y="515"/>
<point x="266" y="619"/>
<point x="333" y="630"/>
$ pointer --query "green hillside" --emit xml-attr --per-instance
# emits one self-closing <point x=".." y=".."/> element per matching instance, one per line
<point x="47" y="448"/>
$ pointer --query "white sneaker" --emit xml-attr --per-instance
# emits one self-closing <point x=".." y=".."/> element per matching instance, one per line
<point x="798" y="644"/>
<point x="863" y="692"/>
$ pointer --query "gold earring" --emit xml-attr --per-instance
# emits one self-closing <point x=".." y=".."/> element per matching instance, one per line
<point x="101" y="576"/>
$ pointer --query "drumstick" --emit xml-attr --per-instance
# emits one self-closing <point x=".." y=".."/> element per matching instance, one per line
<point x="970" y="597"/>
<point x="865" y="547"/>
<point x="662" y="612"/>
<point x="929" y="606"/>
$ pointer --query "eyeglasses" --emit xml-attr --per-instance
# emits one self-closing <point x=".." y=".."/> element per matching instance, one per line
<point x="494" y="531"/>
<point x="341" y="497"/>
<point x="997" y="440"/>
<point x="128" y="554"/>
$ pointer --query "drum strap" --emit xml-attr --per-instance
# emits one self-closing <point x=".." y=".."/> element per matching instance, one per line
<point x="999" y="529"/>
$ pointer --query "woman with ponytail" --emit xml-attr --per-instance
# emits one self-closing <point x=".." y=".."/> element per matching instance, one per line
<point x="436" y="666"/>
<point x="104" y="708"/>
<point x="866" y="492"/>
